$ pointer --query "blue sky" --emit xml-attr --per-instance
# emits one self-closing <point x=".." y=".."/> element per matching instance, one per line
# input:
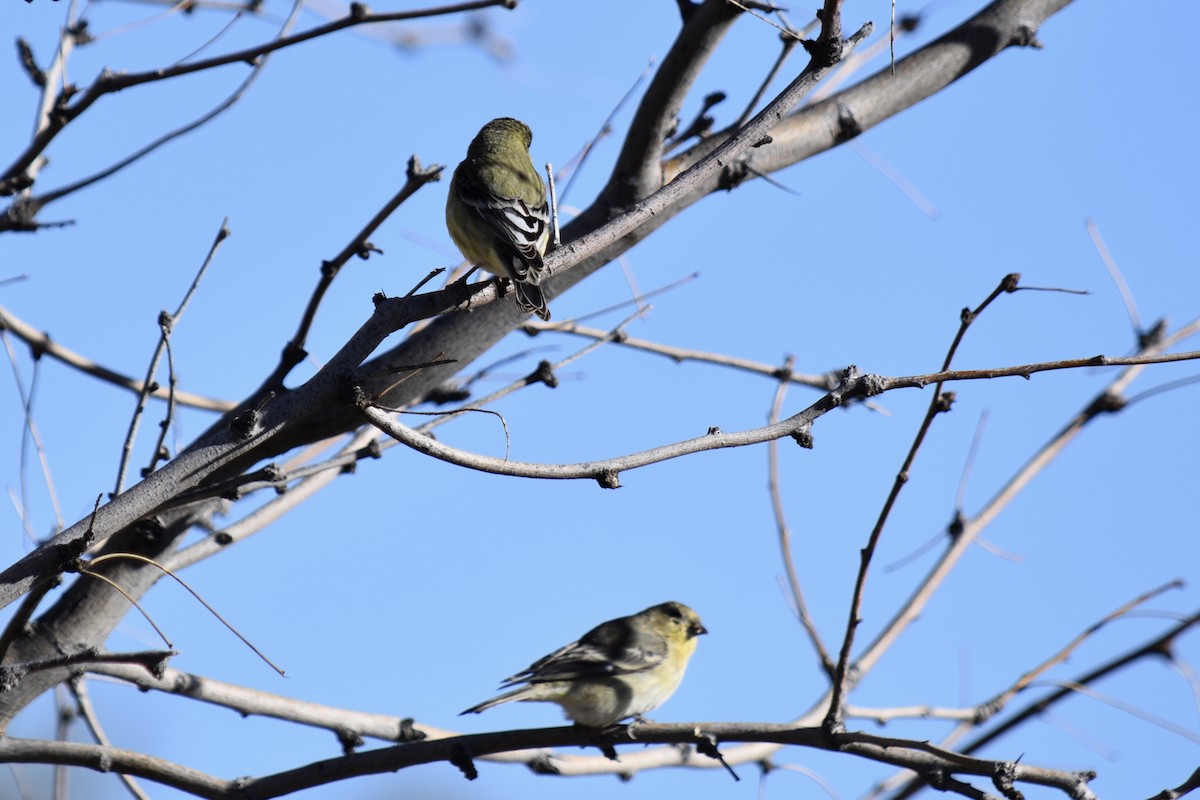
<point x="412" y="586"/>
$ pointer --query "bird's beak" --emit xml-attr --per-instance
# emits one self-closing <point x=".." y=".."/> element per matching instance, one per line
<point x="696" y="629"/>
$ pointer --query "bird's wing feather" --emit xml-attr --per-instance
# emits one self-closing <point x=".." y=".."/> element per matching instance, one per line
<point x="517" y="224"/>
<point x="612" y="648"/>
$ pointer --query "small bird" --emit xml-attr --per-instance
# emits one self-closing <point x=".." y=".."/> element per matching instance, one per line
<point x="622" y="668"/>
<point x="496" y="210"/>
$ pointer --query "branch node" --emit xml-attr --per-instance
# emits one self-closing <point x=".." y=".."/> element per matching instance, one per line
<point x="848" y="126"/>
<point x="348" y="738"/>
<point x="937" y="779"/>
<point x="79" y="33"/>
<point x="245" y="424"/>
<point x="365" y="249"/>
<point x="460" y="757"/>
<point x="408" y="731"/>
<point x="1107" y="403"/>
<point x="1082" y="779"/>
<point x="1026" y="36"/>
<point x="1152" y="337"/>
<point x="29" y="63"/>
<point x="1004" y="776"/>
<point x="21" y="212"/>
<point x="609" y="751"/>
<point x="609" y="479"/>
<point x="733" y="175"/>
<point x="544" y="373"/>
<point x="11" y="676"/>
<point x="542" y="764"/>
<point x="957" y="525"/>
<point x="414" y="172"/>
<point x="706" y="744"/>
<point x="871" y="384"/>
<point x="60" y="112"/>
<point x="804" y="437"/>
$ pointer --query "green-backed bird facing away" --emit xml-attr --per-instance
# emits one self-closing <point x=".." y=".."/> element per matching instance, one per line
<point x="622" y="668"/>
<point x="496" y="210"/>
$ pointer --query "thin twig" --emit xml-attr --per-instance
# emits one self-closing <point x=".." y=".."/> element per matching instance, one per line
<point x="359" y="446"/>
<point x="555" y="237"/>
<point x="165" y="323"/>
<point x="488" y="369"/>
<point x="35" y="204"/>
<point x="1154" y="391"/>
<point x="294" y="352"/>
<point x="638" y="299"/>
<point x="969" y="463"/>
<point x="843" y="675"/>
<point x="1114" y="272"/>
<point x="797" y="426"/>
<point x="54" y="80"/>
<point x="109" y="82"/>
<point x="159" y="451"/>
<point x="682" y="354"/>
<point x="41" y="344"/>
<point x="897" y="179"/>
<point x="1188" y="786"/>
<point x="999" y="701"/>
<point x="83" y="570"/>
<point x="151" y="562"/>
<point x="253" y="702"/>
<point x="604" y="130"/>
<point x="64" y="716"/>
<point x="537" y="376"/>
<point x="969" y="529"/>
<point x="799" y="606"/>
<point x="31" y="434"/>
<point x="87" y="711"/>
<point x="789" y="37"/>
<point x="1152" y="648"/>
<point x="786" y="33"/>
<point x="152" y="661"/>
<point x="16" y="626"/>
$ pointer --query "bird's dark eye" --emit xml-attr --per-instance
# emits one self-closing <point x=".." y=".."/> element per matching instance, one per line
<point x="674" y="613"/>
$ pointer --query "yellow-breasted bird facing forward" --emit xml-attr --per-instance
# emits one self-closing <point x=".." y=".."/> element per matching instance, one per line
<point x="496" y="209"/>
<point x="622" y="668"/>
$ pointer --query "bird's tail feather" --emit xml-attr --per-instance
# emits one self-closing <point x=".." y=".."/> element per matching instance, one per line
<point x="530" y="298"/>
<point x="515" y="694"/>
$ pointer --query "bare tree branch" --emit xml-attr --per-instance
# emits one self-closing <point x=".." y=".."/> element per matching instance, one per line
<point x="682" y="354"/>
<point x="166" y="323"/>
<point x="41" y="344"/>
<point x="18" y="173"/>
<point x="843" y="677"/>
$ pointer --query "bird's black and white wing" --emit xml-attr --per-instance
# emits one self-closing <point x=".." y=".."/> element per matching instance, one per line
<point x="613" y="648"/>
